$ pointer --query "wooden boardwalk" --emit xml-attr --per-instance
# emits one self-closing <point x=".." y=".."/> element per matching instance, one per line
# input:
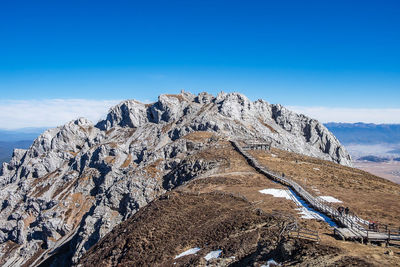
<point x="257" y="146"/>
<point x="366" y="235"/>
<point x="352" y="226"/>
<point x="304" y="233"/>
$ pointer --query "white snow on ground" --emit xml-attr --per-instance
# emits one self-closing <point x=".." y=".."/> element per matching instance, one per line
<point x="303" y="208"/>
<point x="188" y="252"/>
<point x="276" y="192"/>
<point x="271" y="263"/>
<point x="306" y="214"/>
<point x="213" y="255"/>
<point x="330" y="199"/>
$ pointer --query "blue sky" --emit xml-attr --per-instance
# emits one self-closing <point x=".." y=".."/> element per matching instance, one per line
<point x="342" y="54"/>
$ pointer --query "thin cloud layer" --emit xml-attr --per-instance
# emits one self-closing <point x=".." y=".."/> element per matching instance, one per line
<point x="350" y="115"/>
<point x="16" y="114"/>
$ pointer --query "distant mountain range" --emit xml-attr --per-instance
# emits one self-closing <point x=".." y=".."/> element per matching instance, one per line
<point x="20" y="138"/>
<point x="365" y="133"/>
<point x="372" y="158"/>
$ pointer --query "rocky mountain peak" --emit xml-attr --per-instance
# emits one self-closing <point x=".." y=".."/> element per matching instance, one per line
<point x="77" y="181"/>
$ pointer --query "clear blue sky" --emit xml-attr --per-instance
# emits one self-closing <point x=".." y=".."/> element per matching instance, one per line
<point x="308" y="53"/>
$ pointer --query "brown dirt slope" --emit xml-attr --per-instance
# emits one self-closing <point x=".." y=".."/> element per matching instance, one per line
<point x="225" y="210"/>
<point x="211" y="221"/>
<point x="369" y="196"/>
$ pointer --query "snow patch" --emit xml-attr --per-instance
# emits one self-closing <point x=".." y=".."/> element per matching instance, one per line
<point x="307" y="214"/>
<point x="276" y="192"/>
<point x="330" y="199"/>
<point x="213" y="255"/>
<point x="304" y="209"/>
<point x="271" y="263"/>
<point x="188" y="252"/>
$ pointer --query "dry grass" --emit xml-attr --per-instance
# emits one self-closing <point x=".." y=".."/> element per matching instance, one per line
<point x="165" y="228"/>
<point x="66" y="186"/>
<point x="196" y="201"/>
<point x="179" y="97"/>
<point x="28" y="220"/>
<point x="128" y="132"/>
<point x="108" y="132"/>
<point x="205" y="107"/>
<point x="40" y="190"/>
<point x="78" y="206"/>
<point x="198" y="136"/>
<point x="110" y="160"/>
<point x="152" y="169"/>
<point x="267" y="125"/>
<point x="127" y="161"/>
<point x="367" y="195"/>
<point x="167" y="127"/>
<point x="113" y="145"/>
<point x="237" y="178"/>
<point x="50" y="175"/>
<point x="73" y="153"/>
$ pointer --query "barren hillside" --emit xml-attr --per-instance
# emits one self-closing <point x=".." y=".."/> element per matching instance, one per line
<point x="225" y="211"/>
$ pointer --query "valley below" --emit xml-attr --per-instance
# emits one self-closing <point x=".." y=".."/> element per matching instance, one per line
<point x="389" y="170"/>
<point x="374" y="148"/>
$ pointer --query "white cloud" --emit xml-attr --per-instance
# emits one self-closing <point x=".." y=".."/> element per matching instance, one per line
<point x="16" y="114"/>
<point x="50" y="112"/>
<point x="351" y="115"/>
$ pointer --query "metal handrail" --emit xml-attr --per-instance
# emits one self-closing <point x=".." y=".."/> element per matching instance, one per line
<point x="323" y="207"/>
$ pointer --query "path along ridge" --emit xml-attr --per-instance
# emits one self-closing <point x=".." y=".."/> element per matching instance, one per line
<point x="353" y="226"/>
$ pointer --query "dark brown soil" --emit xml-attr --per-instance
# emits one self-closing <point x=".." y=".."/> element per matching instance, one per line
<point x="169" y="226"/>
<point x="351" y="261"/>
<point x="180" y="221"/>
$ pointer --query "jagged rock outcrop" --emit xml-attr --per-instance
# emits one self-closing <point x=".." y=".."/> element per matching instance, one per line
<point x="77" y="181"/>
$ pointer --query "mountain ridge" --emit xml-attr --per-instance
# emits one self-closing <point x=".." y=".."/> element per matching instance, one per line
<point x="77" y="181"/>
<point x="365" y="133"/>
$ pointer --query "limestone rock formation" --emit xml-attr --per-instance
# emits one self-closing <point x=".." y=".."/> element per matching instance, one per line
<point x="76" y="182"/>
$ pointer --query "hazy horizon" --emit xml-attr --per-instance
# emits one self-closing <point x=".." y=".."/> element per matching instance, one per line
<point x="17" y="114"/>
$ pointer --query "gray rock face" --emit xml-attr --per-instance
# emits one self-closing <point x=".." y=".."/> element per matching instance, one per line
<point x="77" y="181"/>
